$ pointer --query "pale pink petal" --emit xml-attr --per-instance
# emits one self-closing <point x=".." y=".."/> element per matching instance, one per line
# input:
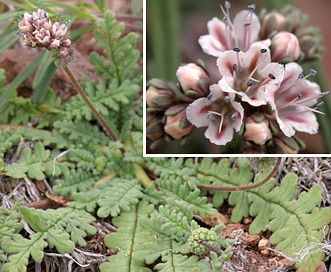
<point x="253" y="57"/>
<point x="297" y="120"/>
<point x="216" y="41"/>
<point x="196" y="112"/>
<point x="219" y="137"/>
<point x="225" y="62"/>
<point x="246" y="35"/>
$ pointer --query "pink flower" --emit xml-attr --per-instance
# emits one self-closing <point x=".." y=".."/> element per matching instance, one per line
<point x="250" y="75"/>
<point x="293" y="100"/>
<point x="38" y="30"/>
<point x="225" y="35"/>
<point x="219" y="112"/>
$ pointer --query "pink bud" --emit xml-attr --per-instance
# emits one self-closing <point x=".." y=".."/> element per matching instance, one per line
<point x="193" y="77"/>
<point x="257" y="132"/>
<point x="178" y="126"/>
<point x="159" y="98"/>
<point x="285" y="47"/>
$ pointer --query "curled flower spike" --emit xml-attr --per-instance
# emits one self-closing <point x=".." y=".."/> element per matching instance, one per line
<point x="219" y="112"/>
<point x="226" y="35"/>
<point x="294" y="101"/>
<point x="37" y="30"/>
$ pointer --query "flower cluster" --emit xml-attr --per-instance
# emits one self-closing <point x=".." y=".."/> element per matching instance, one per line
<point x="262" y="93"/>
<point x="37" y="30"/>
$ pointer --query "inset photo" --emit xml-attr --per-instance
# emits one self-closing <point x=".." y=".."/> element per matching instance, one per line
<point x="236" y="78"/>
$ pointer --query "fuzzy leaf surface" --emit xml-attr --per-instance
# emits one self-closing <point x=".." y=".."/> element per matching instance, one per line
<point x="130" y="238"/>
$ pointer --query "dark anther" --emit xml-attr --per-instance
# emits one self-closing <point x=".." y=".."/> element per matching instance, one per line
<point x="227" y="99"/>
<point x="263" y="50"/>
<point x="313" y="72"/>
<point x="227" y="5"/>
<point x="234" y="67"/>
<point x="209" y="96"/>
<point x="209" y="115"/>
<point x="301" y="75"/>
<point x="247" y="24"/>
<point x="234" y="115"/>
<point x="272" y="76"/>
<point x="225" y="19"/>
<point x="236" y="49"/>
<point x="250" y="83"/>
<point x="320" y="104"/>
<point x="326" y="93"/>
<point x="251" y="7"/>
<point x="299" y="95"/>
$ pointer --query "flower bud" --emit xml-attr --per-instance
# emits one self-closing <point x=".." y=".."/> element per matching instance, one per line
<point x="193" y="77"/>
<point x="154" y="128"/>
<point x="285" y="47"/>
<point x="257" y="130"/>
<point x="159" y="98"/>
<point x="271" y="23"/>
<point x="177" y="125"/>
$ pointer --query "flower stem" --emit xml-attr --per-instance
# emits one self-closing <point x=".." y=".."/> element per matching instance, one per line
<point x="244" y="187"/>
<point x="96" y="114"/>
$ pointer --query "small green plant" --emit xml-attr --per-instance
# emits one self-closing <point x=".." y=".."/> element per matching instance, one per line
<point x="154" y="207"/>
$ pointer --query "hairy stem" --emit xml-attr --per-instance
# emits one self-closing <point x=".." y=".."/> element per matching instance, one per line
<point x="244" y="187"/>
<point x="96" y="114"/>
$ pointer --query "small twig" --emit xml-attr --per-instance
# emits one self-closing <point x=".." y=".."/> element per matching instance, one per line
<point x="97" y="115"/>
<point x="211" y="247"/>
<point x="244" y="187"/>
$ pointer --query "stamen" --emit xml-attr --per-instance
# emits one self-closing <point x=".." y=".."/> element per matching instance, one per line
<point x="299" y="95"/>
<point x="227" y="5"/>
<point x="234" y="67"/>
<point x="250" y="83"/>
<point x="234" y="115"/>
<point x="209" y="96"/>
<point x="227" y="99"/>
<point x="247" y="24"/>
<point x="325" y="93"/>
<point x="320" y="104"/>
<point x="301" y="75"/>
<point x="313" y="72"/>
<point x="272" y="76"/>
<point x="225" y="19"/>
<point x="263" y="50"/>
<point x="210" y="114"/>
<point x="237" y="50"/>
<point x="251" y="7"/>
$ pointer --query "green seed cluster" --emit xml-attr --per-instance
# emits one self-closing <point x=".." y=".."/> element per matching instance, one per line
<point x="199" y="235"/>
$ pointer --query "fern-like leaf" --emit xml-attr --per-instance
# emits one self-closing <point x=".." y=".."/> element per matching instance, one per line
<point x="130" y="239"/>
<point x="110" y="198"/>
<point x="21" y="249"/>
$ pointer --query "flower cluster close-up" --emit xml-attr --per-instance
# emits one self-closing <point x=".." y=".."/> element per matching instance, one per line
<point x="261" y="98"/>
<point x="37" y="30"/>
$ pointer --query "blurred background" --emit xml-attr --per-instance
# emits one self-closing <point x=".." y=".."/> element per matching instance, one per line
<point x="184" y="21"/>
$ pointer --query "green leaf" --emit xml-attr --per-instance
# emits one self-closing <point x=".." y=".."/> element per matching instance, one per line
<point x="130" y="239"/>
<point x="43" y="78"/>
<point x="60" y="240"/>
<point x="178" y="262"/>
<point x="21" y="249"/>
<point x="31" y="216"/>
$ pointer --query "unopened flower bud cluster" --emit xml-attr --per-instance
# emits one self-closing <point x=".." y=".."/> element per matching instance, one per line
<point x="37" y="30"/>
<point x="166" y="114"/>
